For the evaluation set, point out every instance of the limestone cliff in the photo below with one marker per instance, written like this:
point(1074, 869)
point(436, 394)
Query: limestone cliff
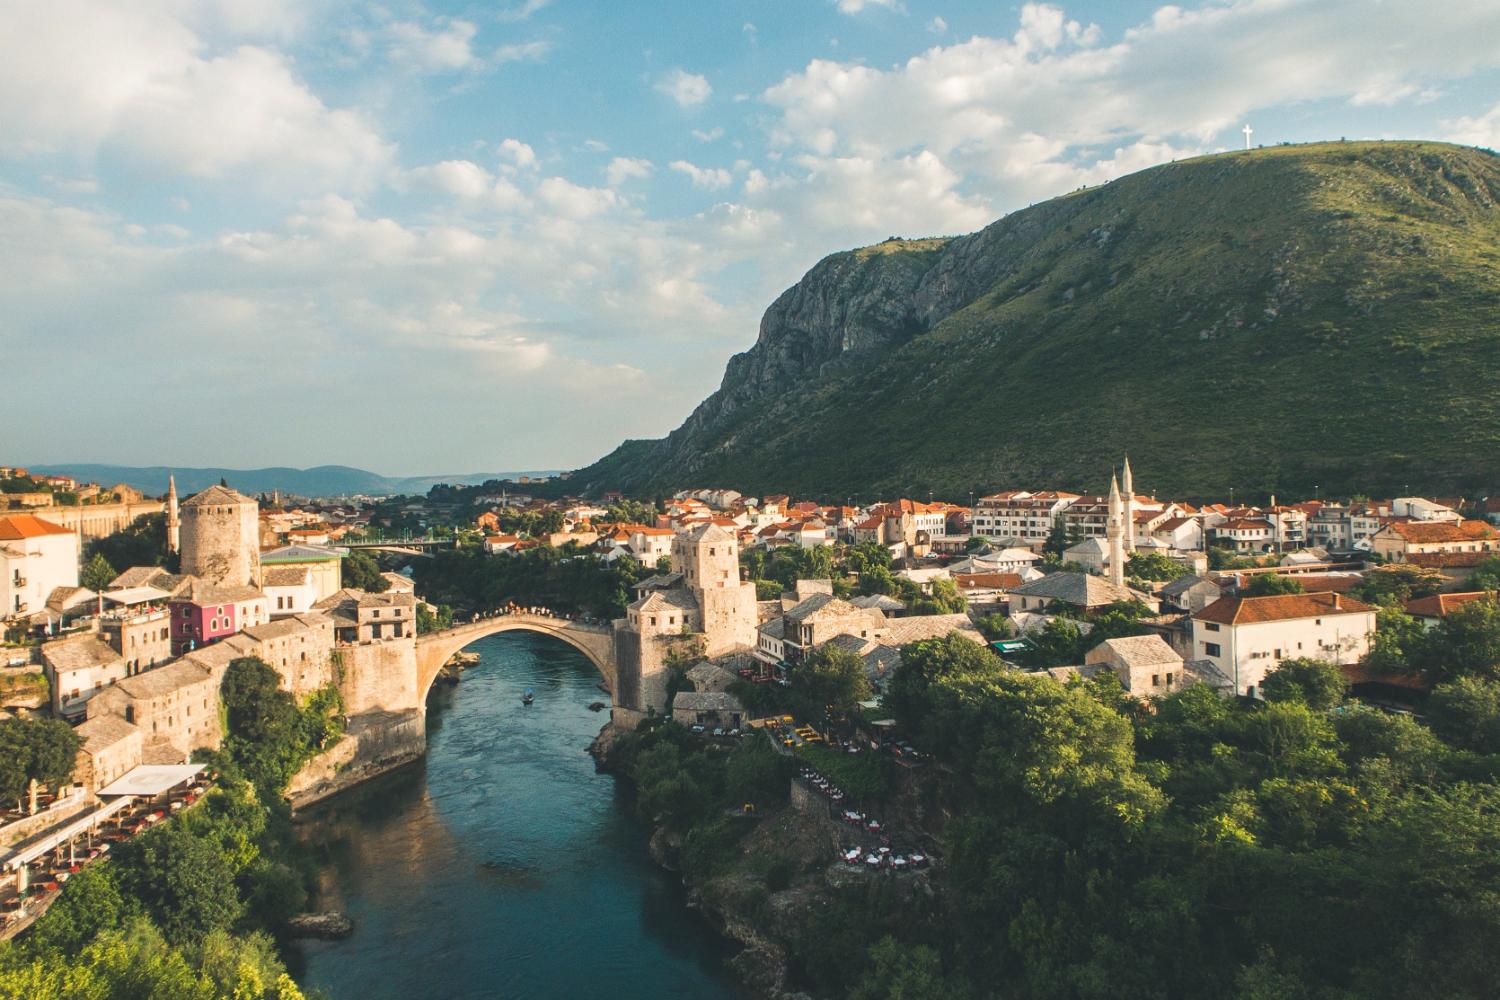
point(1184, 314)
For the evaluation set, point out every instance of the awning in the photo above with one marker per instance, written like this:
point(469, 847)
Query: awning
point(151, 779)
point(64, 834)
point(136, 595)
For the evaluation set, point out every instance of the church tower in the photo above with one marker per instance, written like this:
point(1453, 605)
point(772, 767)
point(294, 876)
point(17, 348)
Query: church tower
point(174, 521)
point(1127, 487)
point(1114, 530)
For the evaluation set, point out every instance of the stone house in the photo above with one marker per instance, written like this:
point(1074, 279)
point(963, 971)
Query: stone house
point(1245, 638)
point(710, 709)
point(176, 704)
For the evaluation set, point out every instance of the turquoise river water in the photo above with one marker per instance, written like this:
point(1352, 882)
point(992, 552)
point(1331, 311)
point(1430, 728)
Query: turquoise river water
point(504, 865)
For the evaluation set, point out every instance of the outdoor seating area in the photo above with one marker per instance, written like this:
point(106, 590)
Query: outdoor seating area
point(42, 867)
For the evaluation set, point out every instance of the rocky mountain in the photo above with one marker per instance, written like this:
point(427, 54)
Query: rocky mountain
point(320, 481)
point(1271, 321)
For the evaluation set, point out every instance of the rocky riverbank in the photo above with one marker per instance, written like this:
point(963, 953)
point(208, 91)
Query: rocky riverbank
point(781, 886)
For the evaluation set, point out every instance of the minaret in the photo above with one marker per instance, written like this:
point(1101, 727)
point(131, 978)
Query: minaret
point(1127, 486)
point(174, 525)
point(1114, 530)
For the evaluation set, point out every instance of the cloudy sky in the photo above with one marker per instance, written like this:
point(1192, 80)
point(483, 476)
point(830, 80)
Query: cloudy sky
point(442, 237)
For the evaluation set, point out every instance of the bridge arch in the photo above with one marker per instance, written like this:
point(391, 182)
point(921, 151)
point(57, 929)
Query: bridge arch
point(435, 649)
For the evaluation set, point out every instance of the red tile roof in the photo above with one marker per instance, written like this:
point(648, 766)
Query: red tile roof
point(18, 526)
point(1282, 607)
point(1442, 605)
point(1445, 531)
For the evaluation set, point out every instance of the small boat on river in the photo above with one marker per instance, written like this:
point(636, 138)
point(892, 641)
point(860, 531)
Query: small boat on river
point(527, 698)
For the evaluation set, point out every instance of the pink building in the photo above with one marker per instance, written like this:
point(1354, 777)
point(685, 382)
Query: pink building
point(204, 614)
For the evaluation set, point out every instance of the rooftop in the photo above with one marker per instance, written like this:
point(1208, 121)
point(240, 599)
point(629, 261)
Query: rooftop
point(1282, 607)
point(217, 496)
point(15, 527)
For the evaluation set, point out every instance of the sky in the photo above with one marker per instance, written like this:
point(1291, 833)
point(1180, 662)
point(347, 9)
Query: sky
point(426, 237)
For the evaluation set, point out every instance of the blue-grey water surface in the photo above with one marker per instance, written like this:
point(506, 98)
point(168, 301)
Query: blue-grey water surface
point(504, 865)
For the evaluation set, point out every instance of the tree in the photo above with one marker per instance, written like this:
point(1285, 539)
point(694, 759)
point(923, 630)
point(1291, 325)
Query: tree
point(1486, 575)
point(829, 678)
point(98, 573)
point(1398, 583)
point(35, 753)
point(1154, 566)
point(181, 880)
point(905, 972)
point(1272, 585)
point(1465, 644)
point(1466, 714)
point(362, 572)
point(1318, 684)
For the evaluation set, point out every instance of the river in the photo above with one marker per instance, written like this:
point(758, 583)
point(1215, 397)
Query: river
point(504, 865)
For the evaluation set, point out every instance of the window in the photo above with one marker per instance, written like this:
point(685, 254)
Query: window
point(1156, 680)
point(1212, 649)
point(1169, 680)
point(1210, 627)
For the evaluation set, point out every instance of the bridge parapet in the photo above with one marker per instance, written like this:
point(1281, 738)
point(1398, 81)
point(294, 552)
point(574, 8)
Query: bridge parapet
point(436, 648)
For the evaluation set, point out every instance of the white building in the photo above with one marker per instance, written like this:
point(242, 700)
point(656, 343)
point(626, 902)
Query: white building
point(290, 590)
point(1245, 638)
point(1019, 514)
point(35, 557)
point(77, 668)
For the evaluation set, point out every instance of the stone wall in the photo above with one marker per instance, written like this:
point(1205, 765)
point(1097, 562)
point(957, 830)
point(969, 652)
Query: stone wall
point(93, 521)
point(379, 676)
point(376, 742)
point(221, 543)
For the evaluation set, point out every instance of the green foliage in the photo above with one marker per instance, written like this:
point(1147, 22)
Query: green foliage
point(143, 543)
point(1397, 583)
point(1486, 575)
point(1465, 644)
point(1154, 566)
point(1466, 714)
point(181, 880)
point(560, 579)
point(906, 972)
point(362, 572)
point(269, 735)
point(1076, 284)
point(97, 574)
point(429, 621)
point(1318, 684)
point(866, 777)
point(35, 750)
point(1272, 585)
point(828, 683)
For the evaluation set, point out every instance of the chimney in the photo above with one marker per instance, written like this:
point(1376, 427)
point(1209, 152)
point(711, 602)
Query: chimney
point(1335, 602)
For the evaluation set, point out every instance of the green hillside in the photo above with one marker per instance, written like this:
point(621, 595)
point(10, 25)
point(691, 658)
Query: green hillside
point(1271, 321)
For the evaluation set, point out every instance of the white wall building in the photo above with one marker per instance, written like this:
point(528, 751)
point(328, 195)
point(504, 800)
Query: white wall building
point(35, 557)
point(1246, 638)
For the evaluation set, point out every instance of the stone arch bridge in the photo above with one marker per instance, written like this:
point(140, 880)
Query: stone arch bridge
point(594, 641)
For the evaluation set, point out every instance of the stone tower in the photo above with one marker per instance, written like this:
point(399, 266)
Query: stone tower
point(1127, 487)
point(1114, 530)
point(220, 537)
point(174, 522)
point(708, 558)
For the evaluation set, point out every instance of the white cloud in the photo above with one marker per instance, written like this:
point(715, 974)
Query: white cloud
point(1478, 130)
point(623, 168)
point(88, 77)
point(710, 179)
point(522, 52)
point(574, 201)
point(708, 135)
point(687, 89)
point(446, 48)
point(937, 26)
point(518, 153)
point(856, 6)
point(522, 10)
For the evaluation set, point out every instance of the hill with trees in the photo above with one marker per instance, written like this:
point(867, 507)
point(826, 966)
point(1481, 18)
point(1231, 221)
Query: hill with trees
point(1273, 320)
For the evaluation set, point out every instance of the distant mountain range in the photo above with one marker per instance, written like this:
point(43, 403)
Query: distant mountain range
point(322, 481)
point(1272, 321)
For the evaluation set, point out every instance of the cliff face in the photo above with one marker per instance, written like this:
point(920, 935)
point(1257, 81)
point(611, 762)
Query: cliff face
point(1274, 320)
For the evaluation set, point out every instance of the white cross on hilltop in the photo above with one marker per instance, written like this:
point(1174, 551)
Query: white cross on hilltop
point(1247, 130)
